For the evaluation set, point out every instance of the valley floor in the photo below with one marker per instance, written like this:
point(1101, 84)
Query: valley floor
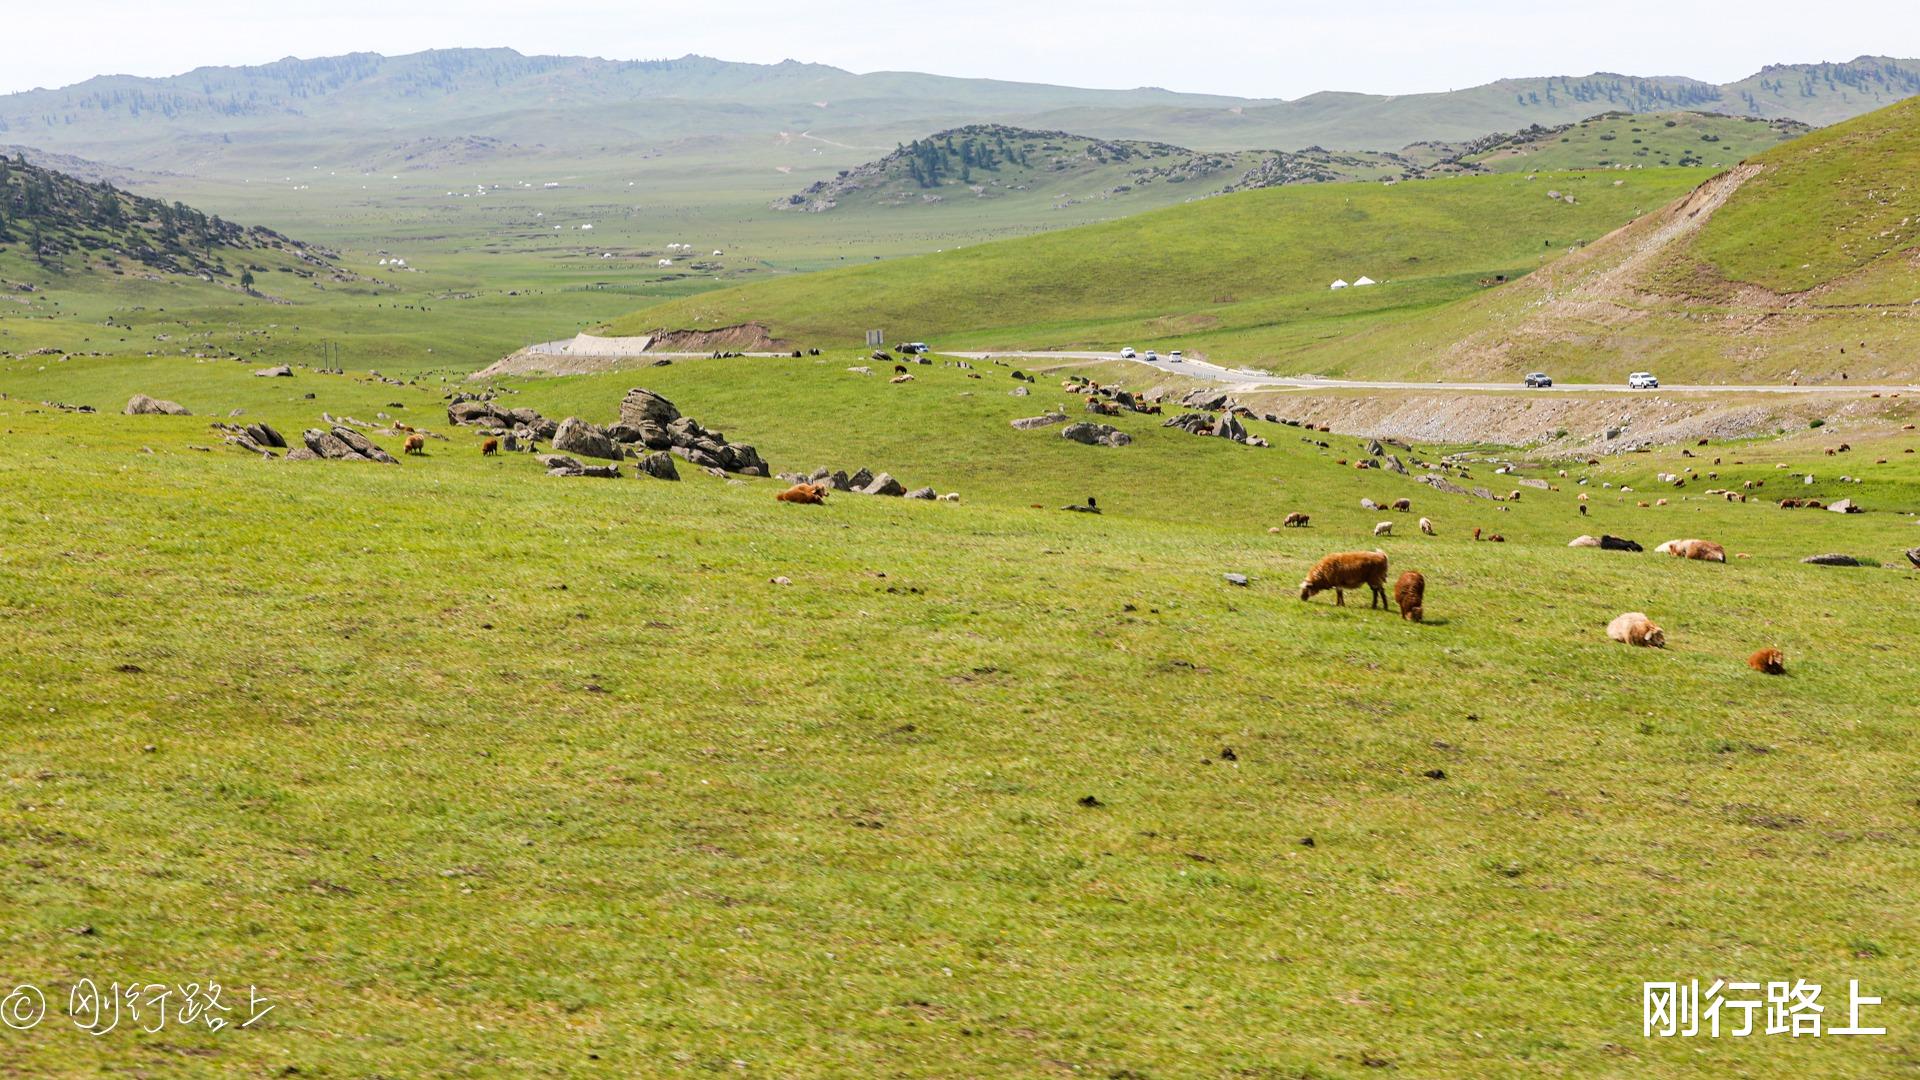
point(474, 771)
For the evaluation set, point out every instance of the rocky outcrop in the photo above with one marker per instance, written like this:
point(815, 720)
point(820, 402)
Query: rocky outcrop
point(341, 443)
point(650, 420)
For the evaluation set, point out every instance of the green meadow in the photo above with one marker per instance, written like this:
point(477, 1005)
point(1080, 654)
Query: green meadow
point(472, 771)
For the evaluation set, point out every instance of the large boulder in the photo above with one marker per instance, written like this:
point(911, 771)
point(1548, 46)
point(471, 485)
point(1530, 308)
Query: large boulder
point(1095, 434)
point(576, 436)
point(642, 407)
point(884, 484)
point(142, 405)
point(859, 480)
point(327, 445)
point(659, 465)
point(362, 446)
point(475, 412)
point(265, 436)
point(1230, 427)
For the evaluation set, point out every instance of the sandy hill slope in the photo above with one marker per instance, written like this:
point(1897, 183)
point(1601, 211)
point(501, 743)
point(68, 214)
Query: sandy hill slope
point(1802, 262)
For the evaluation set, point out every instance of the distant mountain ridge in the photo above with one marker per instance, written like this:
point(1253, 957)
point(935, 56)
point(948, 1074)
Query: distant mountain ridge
point(210, 115)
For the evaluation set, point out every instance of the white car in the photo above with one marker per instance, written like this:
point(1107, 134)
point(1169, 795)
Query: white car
point(1128, 353)
point(1642, 380)
point(1175, 357)
point(1152, 356)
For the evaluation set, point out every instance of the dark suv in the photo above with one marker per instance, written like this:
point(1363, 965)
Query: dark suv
point(1539, 379)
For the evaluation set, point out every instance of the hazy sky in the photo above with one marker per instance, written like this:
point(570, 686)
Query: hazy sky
point(1255, 48)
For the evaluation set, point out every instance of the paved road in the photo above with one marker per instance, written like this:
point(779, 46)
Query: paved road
point(1259, 380)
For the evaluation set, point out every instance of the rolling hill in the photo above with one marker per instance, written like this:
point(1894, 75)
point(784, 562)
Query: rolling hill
point(1219, 273)
point(994, 161)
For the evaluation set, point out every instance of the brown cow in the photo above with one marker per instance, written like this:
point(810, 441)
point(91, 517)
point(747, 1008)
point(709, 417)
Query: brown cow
point(490, 447)
point(1409, 594)
point(1768, 662)
point(807, 494)
point(1348, 570)
point(415, 444)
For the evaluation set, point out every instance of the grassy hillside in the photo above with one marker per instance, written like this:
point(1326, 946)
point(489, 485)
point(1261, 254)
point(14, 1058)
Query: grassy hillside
point(1798, 265)
point(1637, 140)
point(471, 771)
point(1227, 275)
point(65, 226)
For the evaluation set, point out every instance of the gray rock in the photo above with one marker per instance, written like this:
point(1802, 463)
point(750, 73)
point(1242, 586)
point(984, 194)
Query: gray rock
point(624, 433)
point(327, 445)
point(1087, 433)
point(1836, 560)
point(1230, 427)
point(576, 436)
point(142, 405)
point(265, 435)
point(1029, 423)
point(1844, 506)
point(1393, 463)
point(859, 480)
point(1913, 556)
point(884, 484)
point(1236, 579)
point(922, 493)
point(281, 372)
point(659, 465)
point(643, 407)
point(1018, 391)
point(609, 472)
point(301, 453)
point(475, 412)
point(362, 446)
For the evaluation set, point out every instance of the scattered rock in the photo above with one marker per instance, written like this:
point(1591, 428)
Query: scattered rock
point(281, 372)
point(1031, 422)
point(1844, 506)
point(1236, 579)
point(1834, 559)
point(142, 405)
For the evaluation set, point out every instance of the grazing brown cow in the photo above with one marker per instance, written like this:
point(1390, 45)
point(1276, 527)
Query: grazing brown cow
point(1768, 662)
point(1297, 520)
point(490, 447)
point(415, 444)
point(808, 494)
point(1348, 570)
point(1409, 593)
